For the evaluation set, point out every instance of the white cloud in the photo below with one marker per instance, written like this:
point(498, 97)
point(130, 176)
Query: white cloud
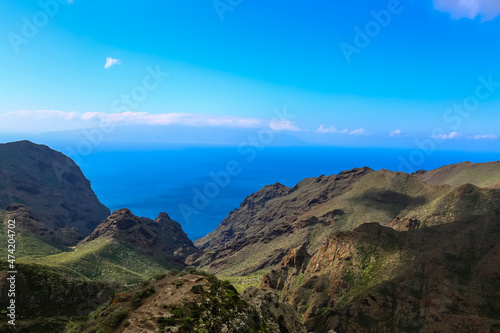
point(359, 131)
point(110, 62)
point(395, 132)
point(189, 119)
point(57, 120)
point(484, 136)
point(322, 129)
point(43, 114)
point(332, 129)
point(487, 9)
point(284, 125)
point(452, 135)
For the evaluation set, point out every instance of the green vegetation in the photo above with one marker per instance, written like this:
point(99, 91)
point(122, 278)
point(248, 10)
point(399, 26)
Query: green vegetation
point(28, 245)
point(241, 283)
point(105, 260)
point(374, 268)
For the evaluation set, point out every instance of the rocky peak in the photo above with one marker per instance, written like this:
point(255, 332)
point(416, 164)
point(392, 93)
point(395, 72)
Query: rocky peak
point(162, 237)
point(163, 217)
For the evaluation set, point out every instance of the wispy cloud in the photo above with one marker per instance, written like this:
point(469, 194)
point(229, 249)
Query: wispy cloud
point(484, 136)
point(452, 135)
point(332, 129)
point(43, 114)
point(284, 125)
point(323, 129)
point(395, 132)
point(487, 9)
point(111, 62)
point(359, 131)
point(89, 119)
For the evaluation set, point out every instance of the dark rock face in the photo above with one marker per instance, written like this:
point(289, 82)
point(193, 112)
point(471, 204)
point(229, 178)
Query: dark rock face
point(276, 212)
point(50, 185)
point(162, 238)
point(375, 279)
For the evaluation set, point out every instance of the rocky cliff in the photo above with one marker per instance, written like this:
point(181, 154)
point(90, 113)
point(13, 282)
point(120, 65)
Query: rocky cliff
point(162, 238)
point(444, 278)
point(51, 187)
point(276, 219)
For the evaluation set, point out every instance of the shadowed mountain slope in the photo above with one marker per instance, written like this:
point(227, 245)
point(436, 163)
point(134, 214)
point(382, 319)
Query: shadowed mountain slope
point(51, 186)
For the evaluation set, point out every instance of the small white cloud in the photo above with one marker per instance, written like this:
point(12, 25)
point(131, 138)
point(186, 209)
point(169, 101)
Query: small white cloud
point(484, 136)
point(359, 131)
point(395, 132)
point(322, 129)
point(344, 131)
point(487, 9)
point(284, 125)
point(452, 135)
point(111, 62)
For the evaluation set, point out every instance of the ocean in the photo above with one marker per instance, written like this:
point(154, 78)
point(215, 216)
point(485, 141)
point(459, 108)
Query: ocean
point(198, 187)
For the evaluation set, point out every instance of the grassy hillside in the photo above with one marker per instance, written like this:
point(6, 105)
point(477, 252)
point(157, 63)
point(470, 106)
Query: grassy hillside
point(105, 260)
point(479, 174)
point(28, 245)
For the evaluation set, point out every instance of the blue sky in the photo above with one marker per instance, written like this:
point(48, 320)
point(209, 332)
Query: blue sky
point(231, 64)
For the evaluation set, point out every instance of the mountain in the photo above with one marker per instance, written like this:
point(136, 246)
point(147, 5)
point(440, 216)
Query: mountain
point(52, 188)
point(444, 278)
point(124, 248)
point(372, 251)
point(277, 218)
point(194, 302)
point(162, 238)
point(479, 174)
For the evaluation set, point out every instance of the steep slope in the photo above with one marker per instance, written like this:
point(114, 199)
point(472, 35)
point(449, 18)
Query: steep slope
point(194, 302)
point(51, 186)
point(444, 278)
point(479, 174)
point(46, 300)
point(275, 219)
point(125, 248)
point(162, 238)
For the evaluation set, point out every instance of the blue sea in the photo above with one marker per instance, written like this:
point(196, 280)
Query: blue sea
point(198, 187)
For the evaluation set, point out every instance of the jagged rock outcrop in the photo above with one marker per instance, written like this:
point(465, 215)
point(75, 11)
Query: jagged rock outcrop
point(162, 238)
point(51, 186)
